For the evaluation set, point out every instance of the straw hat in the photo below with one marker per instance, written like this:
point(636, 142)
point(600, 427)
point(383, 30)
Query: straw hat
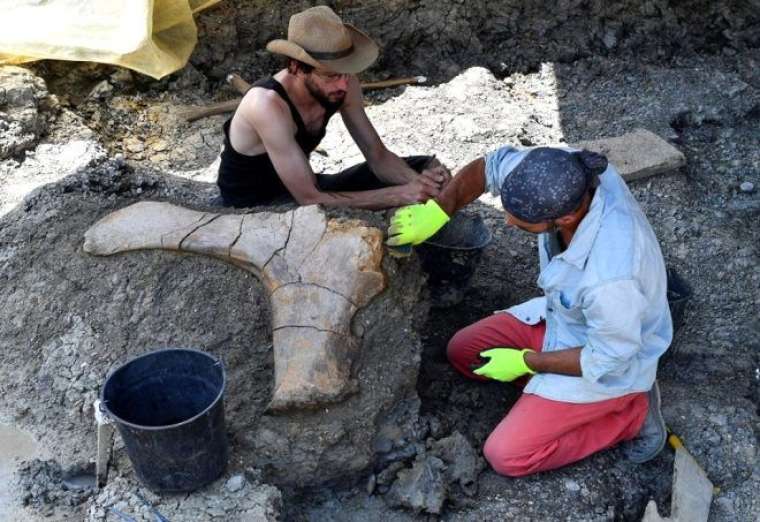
point(318, 37)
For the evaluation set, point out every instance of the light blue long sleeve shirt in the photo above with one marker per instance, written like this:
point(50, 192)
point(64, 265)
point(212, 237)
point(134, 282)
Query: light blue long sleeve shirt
point(606, 293)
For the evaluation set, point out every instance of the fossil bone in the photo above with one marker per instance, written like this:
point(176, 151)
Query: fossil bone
point(318, 274)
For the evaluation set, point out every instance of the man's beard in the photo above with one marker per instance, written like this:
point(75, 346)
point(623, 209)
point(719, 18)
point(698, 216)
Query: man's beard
point(322, 98)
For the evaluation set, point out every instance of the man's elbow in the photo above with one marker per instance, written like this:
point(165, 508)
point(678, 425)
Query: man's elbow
point(599, 365)
point(377, 155)
point(310, 198)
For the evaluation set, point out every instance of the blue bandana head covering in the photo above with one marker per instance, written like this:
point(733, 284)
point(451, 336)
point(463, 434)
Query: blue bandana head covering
point(550, 183)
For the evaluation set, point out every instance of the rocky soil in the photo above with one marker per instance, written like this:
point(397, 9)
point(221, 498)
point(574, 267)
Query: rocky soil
point(440, 38)
point(702, 95)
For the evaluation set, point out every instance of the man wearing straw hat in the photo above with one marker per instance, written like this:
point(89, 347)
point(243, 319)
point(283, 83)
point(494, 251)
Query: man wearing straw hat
point(282, 119)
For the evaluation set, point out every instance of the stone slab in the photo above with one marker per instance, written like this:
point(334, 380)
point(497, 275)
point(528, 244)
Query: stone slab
point(638, 154)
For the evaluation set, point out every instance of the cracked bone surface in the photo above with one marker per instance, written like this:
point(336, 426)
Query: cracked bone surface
point(318, 274)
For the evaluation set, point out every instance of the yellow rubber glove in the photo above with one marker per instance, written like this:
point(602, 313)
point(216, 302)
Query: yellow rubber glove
point(413, 224)
point(505, 364)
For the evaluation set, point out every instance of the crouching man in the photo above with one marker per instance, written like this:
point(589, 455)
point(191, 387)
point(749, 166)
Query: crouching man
point(587, 351)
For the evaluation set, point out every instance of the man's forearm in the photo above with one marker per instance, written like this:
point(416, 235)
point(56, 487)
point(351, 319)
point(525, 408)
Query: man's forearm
point(392, 169)
point(565, 362)
point(468, 184)
point(369, 199)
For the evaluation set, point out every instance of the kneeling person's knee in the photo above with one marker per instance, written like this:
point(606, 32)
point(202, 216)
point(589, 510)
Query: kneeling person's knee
point(457, 346)
point(504, 459)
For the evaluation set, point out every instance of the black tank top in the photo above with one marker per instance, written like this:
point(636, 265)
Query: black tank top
point(251, 180)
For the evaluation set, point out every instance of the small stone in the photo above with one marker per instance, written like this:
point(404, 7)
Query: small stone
point(462, 463)
point(101, 91)
point(371, 484)
point(235, 483)
point(159, 145)
point(151, 497)
point(572, 485)
point(747, 186)
point(609, 39)
point(726, 506)
point(216, 512)
point(134, 145)
point(121, 77)
point(714, 439)
point(436, 428)
point(388, 475)
point(719, 420)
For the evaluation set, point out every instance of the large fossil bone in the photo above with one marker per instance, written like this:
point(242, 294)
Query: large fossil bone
point(318, 274)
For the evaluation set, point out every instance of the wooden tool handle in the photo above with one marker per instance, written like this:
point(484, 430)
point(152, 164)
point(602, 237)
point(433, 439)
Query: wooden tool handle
point(394, 82)
point(242, 86)
point(238, 83)
point(217, 108)
point(674, 441)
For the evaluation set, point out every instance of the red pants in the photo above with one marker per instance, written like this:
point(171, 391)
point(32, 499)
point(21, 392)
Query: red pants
point(540, 434)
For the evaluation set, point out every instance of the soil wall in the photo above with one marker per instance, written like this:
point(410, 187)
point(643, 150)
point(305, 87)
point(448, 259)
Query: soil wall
point(438, 38)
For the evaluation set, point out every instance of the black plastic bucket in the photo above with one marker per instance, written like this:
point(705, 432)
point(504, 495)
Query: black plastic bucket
point(679, 294)
point(168, 407)
point(451, 256)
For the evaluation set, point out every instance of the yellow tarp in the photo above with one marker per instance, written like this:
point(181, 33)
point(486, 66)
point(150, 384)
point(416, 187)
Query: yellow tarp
point(154, 37)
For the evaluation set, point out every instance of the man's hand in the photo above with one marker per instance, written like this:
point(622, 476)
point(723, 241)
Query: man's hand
point(439, 174)
point(505, 364)
point(413, 224)
point(415, 191)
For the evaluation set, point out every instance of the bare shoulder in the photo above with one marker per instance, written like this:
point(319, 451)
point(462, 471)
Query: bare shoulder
point(261, 106)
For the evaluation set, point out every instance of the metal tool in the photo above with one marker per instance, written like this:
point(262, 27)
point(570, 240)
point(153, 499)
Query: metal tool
point(105, 445)
point(692, 490)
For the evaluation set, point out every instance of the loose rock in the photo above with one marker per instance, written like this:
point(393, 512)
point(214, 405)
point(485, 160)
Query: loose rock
point(22, 110)
point(420, 488)
point(235, 483)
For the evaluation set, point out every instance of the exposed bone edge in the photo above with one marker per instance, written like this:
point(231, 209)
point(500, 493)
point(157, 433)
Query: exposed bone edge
point(138, 227)
point(334, 386)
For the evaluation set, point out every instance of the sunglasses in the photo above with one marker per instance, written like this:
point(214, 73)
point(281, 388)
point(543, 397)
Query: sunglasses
point(331, 76)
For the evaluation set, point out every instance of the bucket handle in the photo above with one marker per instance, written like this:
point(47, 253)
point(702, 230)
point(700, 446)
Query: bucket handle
point(219, 360)
point(105, 442)
point(101, 414)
